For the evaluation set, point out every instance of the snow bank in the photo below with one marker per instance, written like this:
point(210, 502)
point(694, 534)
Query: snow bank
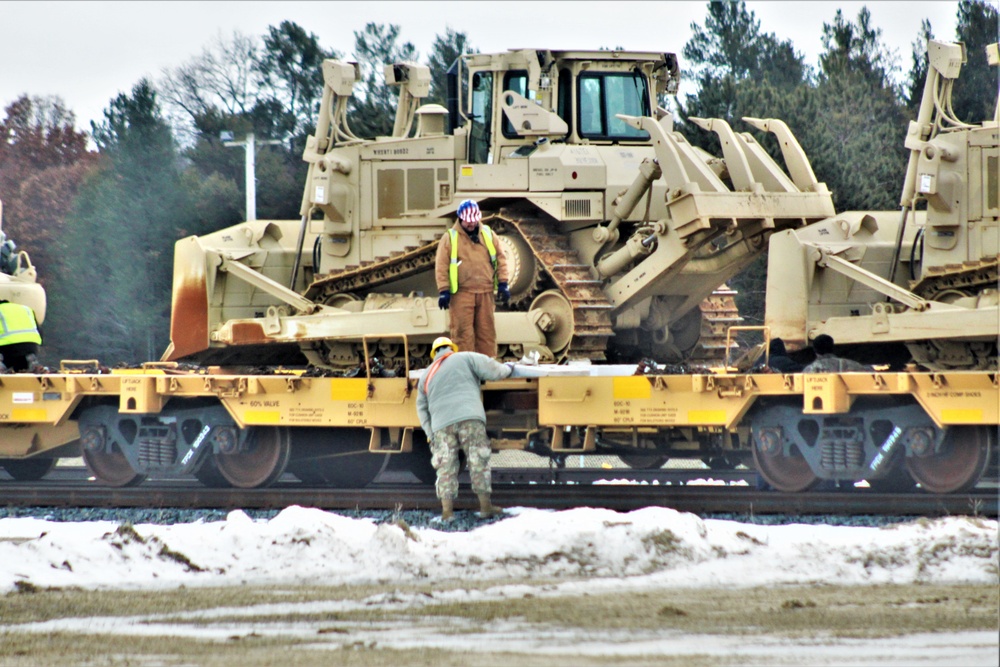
point(653, 546)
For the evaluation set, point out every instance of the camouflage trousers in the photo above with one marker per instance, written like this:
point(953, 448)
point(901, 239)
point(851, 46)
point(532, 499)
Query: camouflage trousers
point(471, 436)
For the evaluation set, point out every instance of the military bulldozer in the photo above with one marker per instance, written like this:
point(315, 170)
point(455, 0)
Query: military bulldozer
point(618, 231)
point(18, 277)
point(919, 284)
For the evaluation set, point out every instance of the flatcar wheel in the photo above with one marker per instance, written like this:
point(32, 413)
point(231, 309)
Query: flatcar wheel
point(958, 466)
point(335, 457)
point(790, 473)
point(111, 468)
point(260, 462)
point(208, 474)
point(27, 470)
point(643, 461)
point(417, 462)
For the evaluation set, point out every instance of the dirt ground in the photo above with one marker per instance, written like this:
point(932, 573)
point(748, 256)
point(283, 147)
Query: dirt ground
point(522, 623)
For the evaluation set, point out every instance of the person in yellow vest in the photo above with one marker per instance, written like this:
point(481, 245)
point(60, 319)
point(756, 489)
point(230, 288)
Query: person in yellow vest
point(19, 336)
point(470, 265)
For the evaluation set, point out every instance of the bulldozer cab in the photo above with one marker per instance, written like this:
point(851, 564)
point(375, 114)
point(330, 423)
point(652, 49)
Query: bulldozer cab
point(510, 103)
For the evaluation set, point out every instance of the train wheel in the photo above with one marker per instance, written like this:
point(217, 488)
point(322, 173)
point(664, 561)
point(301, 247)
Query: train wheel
point(417, 462)
point(899, 480)
point(209, 475)
point(338, 457)
point(27, 470)
point(111, 468)
point(643, 461)
point(958, 466)
point(785, 473)
point(260, 462)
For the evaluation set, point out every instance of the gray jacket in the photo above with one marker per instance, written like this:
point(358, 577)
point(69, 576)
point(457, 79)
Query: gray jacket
point(454, 393)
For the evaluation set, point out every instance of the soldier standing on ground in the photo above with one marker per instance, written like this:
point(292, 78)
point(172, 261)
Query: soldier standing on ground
point(828, 362)
point(450, 406)
point(470, 265)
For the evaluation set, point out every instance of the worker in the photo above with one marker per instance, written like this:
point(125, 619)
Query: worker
point(450, 407)
point(778, 359)
point(828, 362)
point(470, 265)
point(19, 336)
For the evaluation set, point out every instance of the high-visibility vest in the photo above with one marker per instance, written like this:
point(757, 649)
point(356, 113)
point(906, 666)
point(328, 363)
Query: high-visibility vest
point(17, 324)
point(453, 267)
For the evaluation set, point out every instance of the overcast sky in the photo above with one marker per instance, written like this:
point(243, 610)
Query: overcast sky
point(88, 52)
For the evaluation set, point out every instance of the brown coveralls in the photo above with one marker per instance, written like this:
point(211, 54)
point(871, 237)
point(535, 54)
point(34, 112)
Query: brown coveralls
point(471, 309)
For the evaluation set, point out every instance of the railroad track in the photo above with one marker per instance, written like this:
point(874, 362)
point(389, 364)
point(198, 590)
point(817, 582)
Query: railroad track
point(67, 489)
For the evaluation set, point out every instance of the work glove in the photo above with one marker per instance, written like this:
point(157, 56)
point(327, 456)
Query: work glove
point(530, 359)
point(444, 298)
point(504, 293)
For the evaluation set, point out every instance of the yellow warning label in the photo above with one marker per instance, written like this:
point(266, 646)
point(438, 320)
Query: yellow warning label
point(962, 416)
point(706, 416)
point(466, 170)
point(262, 417)
point(29, 415)
point(631, 387)
point(348, 389)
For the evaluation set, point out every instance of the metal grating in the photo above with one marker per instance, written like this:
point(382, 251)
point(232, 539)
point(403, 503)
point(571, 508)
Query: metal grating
point(578, 208)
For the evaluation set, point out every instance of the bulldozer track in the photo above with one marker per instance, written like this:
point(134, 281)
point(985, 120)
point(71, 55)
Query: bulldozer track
point(592, 326)
point(966, 276)
point(719, 312)
point(409, 261)
point(592, 322)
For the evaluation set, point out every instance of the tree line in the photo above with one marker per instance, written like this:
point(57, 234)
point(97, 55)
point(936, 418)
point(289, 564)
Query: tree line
point(100, 224)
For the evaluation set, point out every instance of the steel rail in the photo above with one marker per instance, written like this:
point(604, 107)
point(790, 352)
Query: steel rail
point(697, 499)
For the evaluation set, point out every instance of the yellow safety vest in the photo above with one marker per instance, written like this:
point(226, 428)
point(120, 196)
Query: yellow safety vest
point(453, 267)
point(17, 325)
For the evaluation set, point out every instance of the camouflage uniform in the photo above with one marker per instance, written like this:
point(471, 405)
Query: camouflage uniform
point(828, 363)
point(450, 407)
point(471, 436)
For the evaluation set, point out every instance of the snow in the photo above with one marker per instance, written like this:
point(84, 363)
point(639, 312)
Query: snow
point(572, 552)
point(652, 546)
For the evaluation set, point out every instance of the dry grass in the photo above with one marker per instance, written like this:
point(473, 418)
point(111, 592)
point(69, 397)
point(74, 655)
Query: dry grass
point(329, 638)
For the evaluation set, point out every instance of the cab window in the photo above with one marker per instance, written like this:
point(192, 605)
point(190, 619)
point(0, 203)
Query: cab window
point(517, 81)
point(481, 113)
point(565, 103)
point(602, 96)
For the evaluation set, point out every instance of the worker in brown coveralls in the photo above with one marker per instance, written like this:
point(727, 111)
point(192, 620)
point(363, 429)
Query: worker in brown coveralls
point(469, 267)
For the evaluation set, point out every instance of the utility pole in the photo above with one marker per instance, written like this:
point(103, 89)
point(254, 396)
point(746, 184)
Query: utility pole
point(251, 182)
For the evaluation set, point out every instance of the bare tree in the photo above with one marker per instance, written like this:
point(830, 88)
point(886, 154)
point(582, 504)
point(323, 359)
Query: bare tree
point(222, 80)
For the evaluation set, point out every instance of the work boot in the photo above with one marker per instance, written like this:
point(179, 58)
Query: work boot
point(486, 508)
point(447, 509)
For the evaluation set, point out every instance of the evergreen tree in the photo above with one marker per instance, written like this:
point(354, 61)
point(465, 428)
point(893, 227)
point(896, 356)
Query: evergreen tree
point(290, 66)
point(731, 43)
point(742, 71)
point(444, 52)
point(858, 121)
point(119, 243)
point(374, 103)
point(734, 63)
point(974, 97)
point(918, 68)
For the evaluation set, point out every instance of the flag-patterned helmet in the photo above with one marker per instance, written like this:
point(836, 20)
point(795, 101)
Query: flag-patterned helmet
point(468, 211)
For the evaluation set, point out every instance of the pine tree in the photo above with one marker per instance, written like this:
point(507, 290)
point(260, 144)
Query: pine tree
point(115, 301)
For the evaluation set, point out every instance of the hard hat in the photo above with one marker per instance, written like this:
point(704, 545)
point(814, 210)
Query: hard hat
point(468, 211)
point(442, 341)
